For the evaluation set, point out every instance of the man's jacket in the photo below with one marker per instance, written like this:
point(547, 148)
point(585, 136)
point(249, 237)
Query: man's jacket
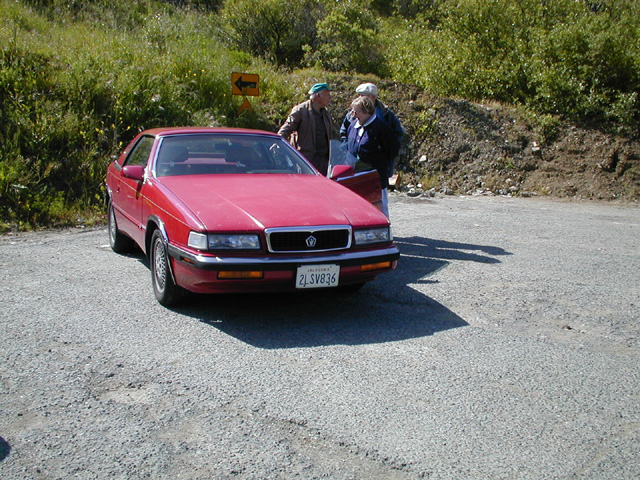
point(300, 128)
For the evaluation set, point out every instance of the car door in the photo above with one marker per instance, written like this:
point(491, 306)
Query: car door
point(365, 183)
point(127, 196)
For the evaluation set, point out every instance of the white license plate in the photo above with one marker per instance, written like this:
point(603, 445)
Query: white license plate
point(317, 276)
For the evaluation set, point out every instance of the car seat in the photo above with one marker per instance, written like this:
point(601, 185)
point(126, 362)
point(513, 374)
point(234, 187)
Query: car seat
point(169, 158)
point(247, 156)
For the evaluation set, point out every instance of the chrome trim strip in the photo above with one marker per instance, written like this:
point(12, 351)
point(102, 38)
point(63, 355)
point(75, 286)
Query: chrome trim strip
point(311, 228)
point(274, 263)
point(161, 227)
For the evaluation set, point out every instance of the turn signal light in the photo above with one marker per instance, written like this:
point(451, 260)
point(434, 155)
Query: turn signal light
point(375, 266)
point(224, 275)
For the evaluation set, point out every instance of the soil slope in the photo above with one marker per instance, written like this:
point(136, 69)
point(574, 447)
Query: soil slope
point(459, 147)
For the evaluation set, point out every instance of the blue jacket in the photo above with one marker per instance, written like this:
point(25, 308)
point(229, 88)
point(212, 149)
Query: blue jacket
point(377, 146)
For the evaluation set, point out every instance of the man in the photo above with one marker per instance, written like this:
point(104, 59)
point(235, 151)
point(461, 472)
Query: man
point(308, 127)
point(370, 91)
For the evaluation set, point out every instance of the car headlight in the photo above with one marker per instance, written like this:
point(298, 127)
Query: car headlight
point(224, 241)
point(372, 235)
point(218, 241)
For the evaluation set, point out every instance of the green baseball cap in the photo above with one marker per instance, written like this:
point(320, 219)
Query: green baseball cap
point(318, 87)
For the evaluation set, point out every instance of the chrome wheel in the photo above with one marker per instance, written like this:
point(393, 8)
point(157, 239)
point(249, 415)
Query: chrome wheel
point(165, 289)
point(159, 265)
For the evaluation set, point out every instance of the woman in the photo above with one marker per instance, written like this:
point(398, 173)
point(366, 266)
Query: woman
point(372, 142)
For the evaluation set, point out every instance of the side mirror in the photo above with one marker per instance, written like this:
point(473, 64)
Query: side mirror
point(341, 171)
point(134, 172)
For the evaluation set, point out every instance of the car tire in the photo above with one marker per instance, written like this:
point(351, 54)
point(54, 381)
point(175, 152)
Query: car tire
point(166, 291)
point(119, 242)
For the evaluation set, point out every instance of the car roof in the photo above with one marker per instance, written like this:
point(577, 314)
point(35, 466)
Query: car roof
point(168, 131)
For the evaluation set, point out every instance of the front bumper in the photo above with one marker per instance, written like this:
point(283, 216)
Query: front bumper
point(199, 273)
point(349, 259)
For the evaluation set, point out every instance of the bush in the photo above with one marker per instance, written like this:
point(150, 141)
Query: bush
point(273, 29)
point(347, 40)
point(43, 144)
point(590, 69)
point(578, 59)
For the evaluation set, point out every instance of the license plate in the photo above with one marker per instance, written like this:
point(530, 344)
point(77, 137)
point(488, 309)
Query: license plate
point(317, 276)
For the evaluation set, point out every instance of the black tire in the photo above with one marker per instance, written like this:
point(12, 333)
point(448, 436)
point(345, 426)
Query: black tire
point(166, 291)
point(119, 242)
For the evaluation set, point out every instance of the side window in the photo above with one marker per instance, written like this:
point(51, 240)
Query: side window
point(140, 153)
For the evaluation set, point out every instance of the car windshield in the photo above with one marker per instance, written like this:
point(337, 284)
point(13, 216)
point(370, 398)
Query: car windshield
point(213, 153)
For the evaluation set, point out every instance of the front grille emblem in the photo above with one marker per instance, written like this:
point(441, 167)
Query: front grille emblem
point(311, 241)
point(323, 238)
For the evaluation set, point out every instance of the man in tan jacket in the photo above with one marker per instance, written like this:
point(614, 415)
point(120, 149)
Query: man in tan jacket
point(308, 127)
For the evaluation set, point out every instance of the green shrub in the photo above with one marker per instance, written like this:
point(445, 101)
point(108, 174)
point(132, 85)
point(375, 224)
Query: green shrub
point(46, 148)
point(577, 59)
point(273, 29)
point(347, 41)
point(590, 68)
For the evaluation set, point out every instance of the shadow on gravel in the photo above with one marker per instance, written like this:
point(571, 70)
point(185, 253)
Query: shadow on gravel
point(440, 249)
point(386, 310)
point(5, 449)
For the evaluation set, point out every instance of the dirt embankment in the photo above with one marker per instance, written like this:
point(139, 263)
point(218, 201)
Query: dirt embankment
point(460, 147)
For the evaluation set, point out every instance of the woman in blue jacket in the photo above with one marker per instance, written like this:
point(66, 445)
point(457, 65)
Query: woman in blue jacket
point(383, 112)
point(372, 142)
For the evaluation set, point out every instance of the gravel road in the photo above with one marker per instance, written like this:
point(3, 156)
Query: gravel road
point(505, 346)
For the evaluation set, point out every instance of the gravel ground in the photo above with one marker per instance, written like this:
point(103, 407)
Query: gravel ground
point(505, 345)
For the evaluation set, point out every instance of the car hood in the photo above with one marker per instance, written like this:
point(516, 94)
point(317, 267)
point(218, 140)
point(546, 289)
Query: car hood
point(256, 201)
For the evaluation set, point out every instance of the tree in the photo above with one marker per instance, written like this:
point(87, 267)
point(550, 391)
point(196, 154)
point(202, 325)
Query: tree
point(347, 40)
point(273, 29)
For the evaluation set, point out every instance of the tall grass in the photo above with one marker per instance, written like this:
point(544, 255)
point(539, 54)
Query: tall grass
point(73, 93)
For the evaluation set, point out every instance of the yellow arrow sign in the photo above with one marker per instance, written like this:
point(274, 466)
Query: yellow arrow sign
point(245, 84)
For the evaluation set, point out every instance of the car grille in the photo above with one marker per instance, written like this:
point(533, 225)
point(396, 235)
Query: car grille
point(308, 239)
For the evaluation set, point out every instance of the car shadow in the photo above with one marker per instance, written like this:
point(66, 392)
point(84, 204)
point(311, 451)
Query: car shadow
point(391, 308)
point(5, 449)
point(440, 249)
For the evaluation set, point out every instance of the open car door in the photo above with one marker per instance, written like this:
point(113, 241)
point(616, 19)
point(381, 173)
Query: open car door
point(364, 183)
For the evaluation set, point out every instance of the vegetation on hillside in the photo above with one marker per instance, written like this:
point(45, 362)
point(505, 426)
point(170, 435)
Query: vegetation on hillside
point(78, 79)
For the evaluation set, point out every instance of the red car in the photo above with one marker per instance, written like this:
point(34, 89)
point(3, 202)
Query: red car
point(233, 210)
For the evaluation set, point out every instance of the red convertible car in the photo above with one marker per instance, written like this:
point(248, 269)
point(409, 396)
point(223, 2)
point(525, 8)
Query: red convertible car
point(232, 210)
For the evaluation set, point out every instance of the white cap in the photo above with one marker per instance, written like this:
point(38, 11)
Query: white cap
point(367, 89)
